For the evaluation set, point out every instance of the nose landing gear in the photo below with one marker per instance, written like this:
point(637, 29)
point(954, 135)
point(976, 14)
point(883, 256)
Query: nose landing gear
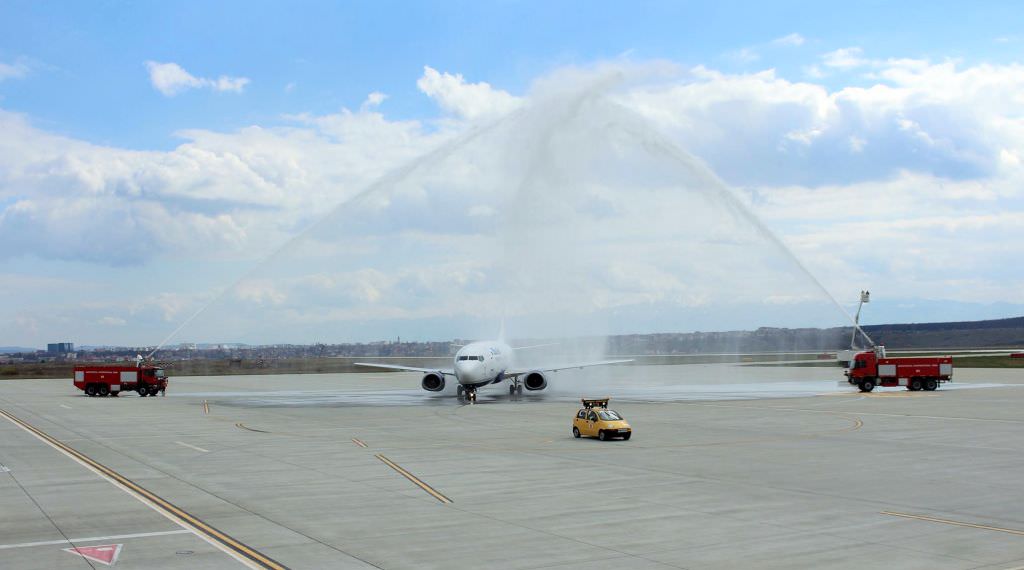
point(468, 393)
point(515, 389)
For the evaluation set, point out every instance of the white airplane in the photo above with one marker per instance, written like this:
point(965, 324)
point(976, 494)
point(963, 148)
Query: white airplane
point(487, 362)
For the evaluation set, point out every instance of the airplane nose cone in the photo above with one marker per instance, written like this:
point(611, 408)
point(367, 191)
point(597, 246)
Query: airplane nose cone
point(466, 368)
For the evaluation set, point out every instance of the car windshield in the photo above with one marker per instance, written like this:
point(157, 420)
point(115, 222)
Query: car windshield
point(609, 415)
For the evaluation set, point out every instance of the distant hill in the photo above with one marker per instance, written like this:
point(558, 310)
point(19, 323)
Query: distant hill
point(998, 333)
point(15, 349)
point(964, 334)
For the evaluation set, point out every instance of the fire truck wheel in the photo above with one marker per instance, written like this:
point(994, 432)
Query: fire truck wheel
point(153, 390)
point(143, 392)
point(930, 384)
point(103, 390)
point(915, 384)
point(867, 385)
point(90, 390)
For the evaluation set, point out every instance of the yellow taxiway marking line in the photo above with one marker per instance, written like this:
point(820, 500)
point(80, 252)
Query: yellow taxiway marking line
point(857, 424)
point(359, 442)
point(414, 479)
point(956, 523)
point(237, 550)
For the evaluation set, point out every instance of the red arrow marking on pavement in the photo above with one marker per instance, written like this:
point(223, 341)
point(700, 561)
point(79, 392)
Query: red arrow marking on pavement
point(104, 554)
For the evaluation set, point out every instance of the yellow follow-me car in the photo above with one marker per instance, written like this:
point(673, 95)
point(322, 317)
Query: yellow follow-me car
point(596, 420)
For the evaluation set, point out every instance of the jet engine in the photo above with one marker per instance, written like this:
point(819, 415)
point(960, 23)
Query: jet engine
point(535, 381)
point(433, 381)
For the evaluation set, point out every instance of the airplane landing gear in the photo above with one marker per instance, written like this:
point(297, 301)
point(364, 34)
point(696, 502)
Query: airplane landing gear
point(468, 393)
point(515, 389)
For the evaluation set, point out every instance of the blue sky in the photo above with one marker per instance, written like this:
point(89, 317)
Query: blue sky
point(89, 80)
point(218, 131)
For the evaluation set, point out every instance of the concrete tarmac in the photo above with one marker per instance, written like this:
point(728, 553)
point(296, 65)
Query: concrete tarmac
point(729, 467)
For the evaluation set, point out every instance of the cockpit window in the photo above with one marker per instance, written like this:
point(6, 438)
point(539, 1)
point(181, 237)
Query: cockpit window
point(465, 357)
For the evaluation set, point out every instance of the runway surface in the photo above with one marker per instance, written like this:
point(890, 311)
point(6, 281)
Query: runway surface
point(729, 466)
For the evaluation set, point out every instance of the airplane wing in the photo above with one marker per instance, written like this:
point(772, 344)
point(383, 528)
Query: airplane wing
point(564, 367)
point(405, 368)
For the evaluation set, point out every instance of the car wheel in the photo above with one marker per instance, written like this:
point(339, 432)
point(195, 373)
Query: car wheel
point(601, 435)
point(575, 432)
point(626, 437)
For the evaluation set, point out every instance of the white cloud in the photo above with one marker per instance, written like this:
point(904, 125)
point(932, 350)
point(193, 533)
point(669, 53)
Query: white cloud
point(745, 55)
point(373, 100)
point(917, 166)
point(844, 58)
point(793, 39)
point(857, 144)
point(466, 100)
point(16, 70)
point(171, 79)
point(112, 321)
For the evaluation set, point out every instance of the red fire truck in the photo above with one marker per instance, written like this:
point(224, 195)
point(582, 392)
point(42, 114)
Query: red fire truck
point(871, 368)
point(111, 380)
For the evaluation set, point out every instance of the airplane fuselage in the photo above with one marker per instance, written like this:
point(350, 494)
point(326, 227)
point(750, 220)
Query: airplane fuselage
point(481, 363)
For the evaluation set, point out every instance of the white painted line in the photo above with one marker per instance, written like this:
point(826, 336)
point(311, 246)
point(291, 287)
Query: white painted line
point(65, 406)
point(93, 539)
point(4, 469)
point(193, 447)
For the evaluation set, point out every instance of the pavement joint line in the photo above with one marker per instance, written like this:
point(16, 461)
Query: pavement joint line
point(416, 480)
point(75, 541)
point(955, 523)
point(229, 545)
point(197, 448)
point(359, 442)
